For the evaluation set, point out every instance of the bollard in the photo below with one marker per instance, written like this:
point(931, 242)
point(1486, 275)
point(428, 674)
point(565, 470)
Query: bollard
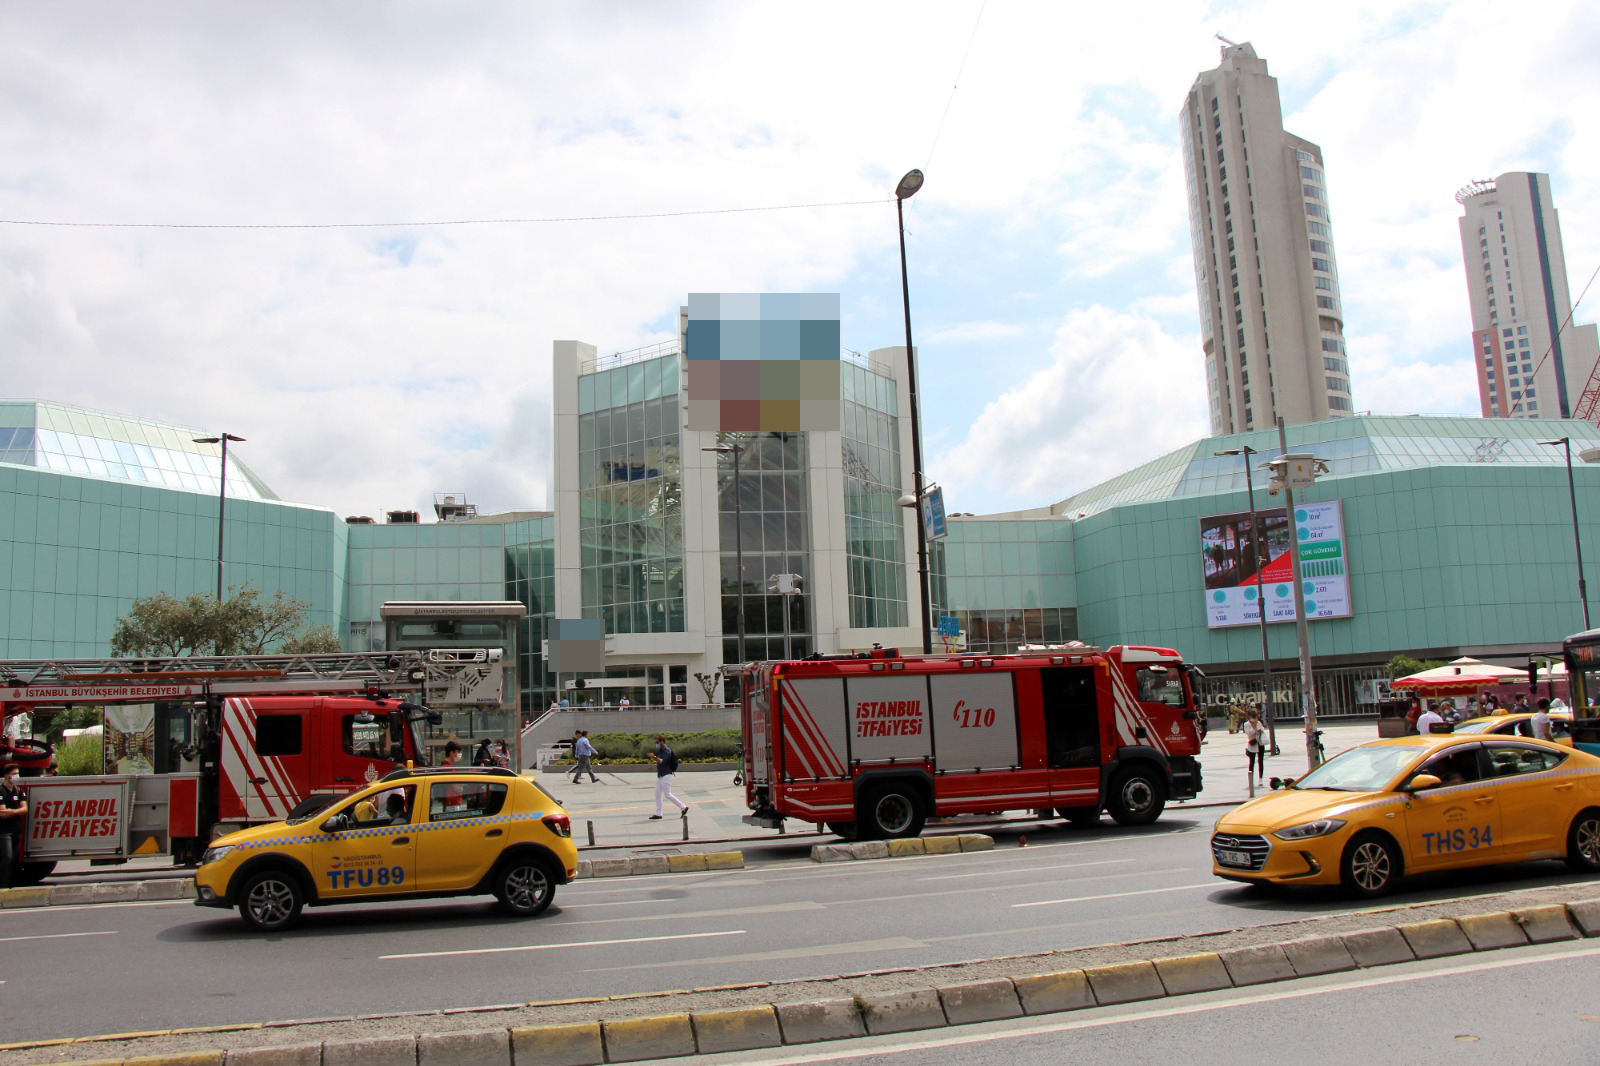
point(685, 821)
point(1022, 841)
point(591, 834)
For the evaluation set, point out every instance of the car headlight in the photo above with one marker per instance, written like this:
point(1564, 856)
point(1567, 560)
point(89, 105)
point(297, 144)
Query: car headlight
point(213, 854)
point(1319, 828)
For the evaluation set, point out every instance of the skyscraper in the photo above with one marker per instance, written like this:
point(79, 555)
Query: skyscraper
point(1270, 318)
point(1529, 366)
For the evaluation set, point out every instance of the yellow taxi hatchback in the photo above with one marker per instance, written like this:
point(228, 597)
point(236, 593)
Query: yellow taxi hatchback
point(414, 834)
point(1518, 724)
point(1379, 811)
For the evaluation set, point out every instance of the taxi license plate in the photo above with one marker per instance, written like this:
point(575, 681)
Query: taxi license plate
point(1229, 857)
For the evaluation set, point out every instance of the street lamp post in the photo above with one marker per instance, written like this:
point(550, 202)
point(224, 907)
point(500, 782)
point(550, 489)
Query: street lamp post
point(1577, 542)
point(1302, 632)
point(904, 191)
point(1261, 596)
point(738, 537)
point(222, 497)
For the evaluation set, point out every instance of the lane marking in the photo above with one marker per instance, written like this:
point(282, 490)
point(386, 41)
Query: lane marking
point(899, 943)
point(67, 907)
point(1114, 895)
point(722, 912)
point(991, 889)
point(950, 1037)
point(1030, 870)
point(55, 936)
point(557, 947)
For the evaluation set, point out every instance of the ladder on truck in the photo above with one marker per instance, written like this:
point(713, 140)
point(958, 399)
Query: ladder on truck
point(135, 680)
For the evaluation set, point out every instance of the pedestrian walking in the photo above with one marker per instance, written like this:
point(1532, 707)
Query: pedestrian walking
point(1428, 719)
point(1541, 721)
point(666, 766)
point(1412, 714)
point(583, 751)
point(1255, 745)
point(13, 810)
point(502, 755)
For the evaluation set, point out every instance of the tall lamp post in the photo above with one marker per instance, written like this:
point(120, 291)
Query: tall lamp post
point(1308, 692)
point(1577, 542)
point(738, 536)
point(222, 497)
point(1261, 596)
point(904, 191)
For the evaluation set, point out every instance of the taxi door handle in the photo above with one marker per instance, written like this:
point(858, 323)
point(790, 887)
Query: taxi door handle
point(401, 840)
point(1481, 800)
point(493, 833)
point(1562, 788)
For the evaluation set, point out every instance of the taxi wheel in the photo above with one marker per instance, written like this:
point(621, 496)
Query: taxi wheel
point(271, 901)
point(524, 887)
point(1371, 865)
point(1137, 797)
point(1583, 842)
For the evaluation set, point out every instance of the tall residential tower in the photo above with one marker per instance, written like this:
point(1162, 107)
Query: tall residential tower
point(1270, 317)
point(1532, 362)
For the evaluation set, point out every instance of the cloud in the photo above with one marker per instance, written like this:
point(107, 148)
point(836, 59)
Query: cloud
point(1118, 392)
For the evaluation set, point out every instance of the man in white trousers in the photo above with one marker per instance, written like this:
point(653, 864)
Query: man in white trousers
point(666, 767)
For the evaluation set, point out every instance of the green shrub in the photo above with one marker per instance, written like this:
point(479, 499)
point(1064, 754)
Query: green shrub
point(80, 756)
point(717, 745)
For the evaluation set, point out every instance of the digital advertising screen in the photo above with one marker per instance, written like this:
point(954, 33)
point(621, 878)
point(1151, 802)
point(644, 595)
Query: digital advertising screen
point(1233, 549)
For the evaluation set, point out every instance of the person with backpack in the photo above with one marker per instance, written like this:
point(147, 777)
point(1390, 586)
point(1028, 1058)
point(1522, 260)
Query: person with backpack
point(666, 766)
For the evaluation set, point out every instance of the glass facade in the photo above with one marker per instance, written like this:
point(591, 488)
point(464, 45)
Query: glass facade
point(631, 497)
point(73, 440)
point(772, 534)
point(874, 520)
point(1007, 581)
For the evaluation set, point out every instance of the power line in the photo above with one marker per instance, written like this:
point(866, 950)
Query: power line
point(956, 84)
point(433, 222)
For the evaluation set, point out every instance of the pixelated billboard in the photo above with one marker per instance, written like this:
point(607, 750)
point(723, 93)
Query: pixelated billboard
point(575, 645)
point(765, 361)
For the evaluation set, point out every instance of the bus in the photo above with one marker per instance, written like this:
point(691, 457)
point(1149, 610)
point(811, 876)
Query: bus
point(1581, 653)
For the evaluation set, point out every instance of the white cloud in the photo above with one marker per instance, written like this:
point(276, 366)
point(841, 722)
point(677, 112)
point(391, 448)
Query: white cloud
point(371, 368)
point(1117, 392)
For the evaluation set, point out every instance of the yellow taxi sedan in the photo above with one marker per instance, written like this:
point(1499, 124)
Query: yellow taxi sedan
point(1518, 724)
point(1372, 814)
point(413, 834)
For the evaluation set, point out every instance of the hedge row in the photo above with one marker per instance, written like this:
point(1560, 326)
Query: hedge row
point(717, 745)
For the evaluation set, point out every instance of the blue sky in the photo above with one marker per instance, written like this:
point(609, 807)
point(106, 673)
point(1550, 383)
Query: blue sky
point(1052, 293)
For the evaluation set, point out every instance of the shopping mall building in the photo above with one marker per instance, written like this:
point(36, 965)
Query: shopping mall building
point(1429, 536)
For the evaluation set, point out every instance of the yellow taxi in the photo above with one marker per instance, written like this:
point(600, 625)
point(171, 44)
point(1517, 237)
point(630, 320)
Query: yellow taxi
point(1381, 810)
point(1518, 724)
point(412, 834)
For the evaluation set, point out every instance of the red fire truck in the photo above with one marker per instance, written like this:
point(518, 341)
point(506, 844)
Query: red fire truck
point(233, 741)
point(873, 745)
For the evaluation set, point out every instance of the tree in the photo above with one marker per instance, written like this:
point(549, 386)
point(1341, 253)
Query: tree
point(1404, 666)
point(162, 625)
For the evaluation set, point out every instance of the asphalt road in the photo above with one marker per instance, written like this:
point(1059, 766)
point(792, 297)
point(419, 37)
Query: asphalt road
point(1534, 1004)
point(115, 967)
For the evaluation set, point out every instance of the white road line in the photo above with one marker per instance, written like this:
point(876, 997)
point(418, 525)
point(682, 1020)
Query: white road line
point(1114, 895)
point(900, 897)
point(55, 936)
point(66, 907)
point(1029, 870)
point(721, 912)
point(557, 947)
point(990, 1032)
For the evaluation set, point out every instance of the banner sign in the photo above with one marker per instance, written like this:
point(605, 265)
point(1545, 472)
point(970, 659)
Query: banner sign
point(1232, 549)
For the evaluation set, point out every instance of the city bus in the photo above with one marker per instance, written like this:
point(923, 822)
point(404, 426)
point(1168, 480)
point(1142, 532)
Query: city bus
point(1582, 656)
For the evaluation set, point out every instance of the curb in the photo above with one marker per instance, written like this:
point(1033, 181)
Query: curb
point(906, 846)
point(775, 1025)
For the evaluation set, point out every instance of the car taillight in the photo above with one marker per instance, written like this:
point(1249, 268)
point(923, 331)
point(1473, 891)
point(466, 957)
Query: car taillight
point(559, 824)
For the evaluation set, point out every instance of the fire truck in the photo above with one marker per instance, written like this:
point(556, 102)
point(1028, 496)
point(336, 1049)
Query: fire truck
point(872, 745)
point(236, 741)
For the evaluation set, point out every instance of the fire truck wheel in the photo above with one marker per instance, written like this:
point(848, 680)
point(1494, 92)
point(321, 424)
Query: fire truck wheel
point(524, 886)
point(1137, 797)
point(28, 874)
point(843, 830)
point(271, 901)
point(1080, 816)
point(891, 811)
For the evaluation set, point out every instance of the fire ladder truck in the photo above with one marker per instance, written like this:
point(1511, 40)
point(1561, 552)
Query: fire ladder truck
point(235, 740)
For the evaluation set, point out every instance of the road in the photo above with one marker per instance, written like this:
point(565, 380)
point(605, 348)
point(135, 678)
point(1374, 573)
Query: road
point(1534, 1004)
point(158, 965)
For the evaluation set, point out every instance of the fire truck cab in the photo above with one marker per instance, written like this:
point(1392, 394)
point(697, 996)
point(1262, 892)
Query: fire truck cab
point(873, 745)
